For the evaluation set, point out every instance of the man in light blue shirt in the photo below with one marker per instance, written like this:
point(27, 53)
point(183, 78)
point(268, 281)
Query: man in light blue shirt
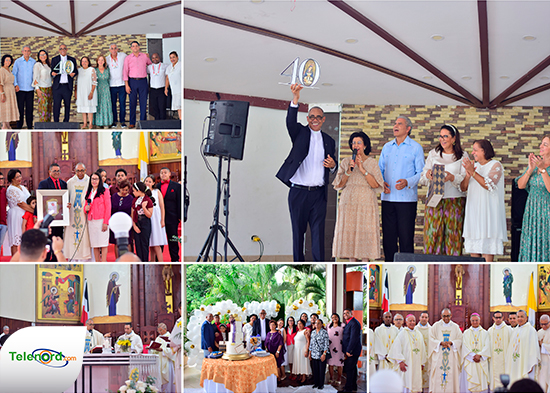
point(401, 163)
point(22, 71)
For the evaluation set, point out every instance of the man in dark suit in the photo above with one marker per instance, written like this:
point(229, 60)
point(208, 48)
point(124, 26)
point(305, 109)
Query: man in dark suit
point(306, 172)
point(261, 327)
point(53, 182)
point(62, 87)
point(351, 346)
point(207, 335)
point(171, 192)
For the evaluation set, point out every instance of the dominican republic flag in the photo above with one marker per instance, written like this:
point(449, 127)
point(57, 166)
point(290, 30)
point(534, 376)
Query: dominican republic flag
point(386, 293)
point(85, 303)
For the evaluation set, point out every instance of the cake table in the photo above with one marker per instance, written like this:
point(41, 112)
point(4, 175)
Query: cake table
point(257, 374)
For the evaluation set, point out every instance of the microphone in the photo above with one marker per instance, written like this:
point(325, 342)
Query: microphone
point(353, 157)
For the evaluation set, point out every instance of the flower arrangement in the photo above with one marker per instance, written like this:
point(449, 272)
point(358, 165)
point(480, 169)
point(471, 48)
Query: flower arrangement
point(124, 344)
point(134, 385)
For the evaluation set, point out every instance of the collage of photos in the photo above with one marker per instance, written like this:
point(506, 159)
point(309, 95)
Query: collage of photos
point(91, 207)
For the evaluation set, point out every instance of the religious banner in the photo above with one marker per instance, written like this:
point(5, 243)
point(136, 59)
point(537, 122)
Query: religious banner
point(544, 287)
point(165, 146)
point(374, 286)
point(58, 292)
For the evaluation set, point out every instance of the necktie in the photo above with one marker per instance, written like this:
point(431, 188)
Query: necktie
point(57, 185)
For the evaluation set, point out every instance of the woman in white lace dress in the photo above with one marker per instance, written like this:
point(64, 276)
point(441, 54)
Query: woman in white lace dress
point(85, 92)
point(16, 195)
point(158, 230)
point(485, 215)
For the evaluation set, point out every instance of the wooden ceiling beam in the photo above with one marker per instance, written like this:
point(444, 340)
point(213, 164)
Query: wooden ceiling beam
point(329, 51)
point(525, 94)
point(520, 82)
point(39, 15)
point(484, 51)
point(26, 22)
point(359, 17)
point(96, 20)
point(160, 7)
point(73, 18)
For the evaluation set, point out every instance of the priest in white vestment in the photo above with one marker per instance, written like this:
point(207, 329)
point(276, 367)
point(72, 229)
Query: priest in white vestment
point(523, 351)
point(499, 336)
point(166, 360)
point(135, 340)
point(372, 356)
point(93, 337)
point(423, 327)
point(444, 349)
point(175, 345)
point(384, 335)
point(398, 322)
point(408, 355)
point(476, 351)
point(76, 233)
point(544, 341)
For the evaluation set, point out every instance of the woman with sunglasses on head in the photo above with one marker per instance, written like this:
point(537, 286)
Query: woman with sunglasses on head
point(443, 223)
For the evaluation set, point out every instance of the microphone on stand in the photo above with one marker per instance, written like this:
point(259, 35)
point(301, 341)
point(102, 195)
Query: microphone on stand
point(354, 156)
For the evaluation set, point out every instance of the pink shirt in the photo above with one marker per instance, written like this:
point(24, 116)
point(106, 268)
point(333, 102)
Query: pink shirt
point(100, 207)
point(135, 66)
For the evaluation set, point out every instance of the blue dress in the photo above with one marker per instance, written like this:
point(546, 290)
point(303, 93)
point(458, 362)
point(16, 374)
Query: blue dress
point(104, 113)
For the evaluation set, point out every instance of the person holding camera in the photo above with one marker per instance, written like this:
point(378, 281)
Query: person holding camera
point(33, 247)
point(98, 209)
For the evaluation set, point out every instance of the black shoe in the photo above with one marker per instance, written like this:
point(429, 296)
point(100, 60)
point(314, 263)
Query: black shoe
point(314, 386)
point(321, 387)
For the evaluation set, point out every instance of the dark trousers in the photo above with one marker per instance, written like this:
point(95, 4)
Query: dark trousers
point(173, 244)
point(142, 239)
point(350, 368)
point(308, 207)
point(120, 93)
point(398, 219)
point(25, 102)
point(157, 103)
point(318, 368)
point(139, 88)
point(62, 93)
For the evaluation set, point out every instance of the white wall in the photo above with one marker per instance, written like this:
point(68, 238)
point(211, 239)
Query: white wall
point(520, 286)
point(258, 203)
point(169, 45)
point(98, 278)
point(397, 278)
point(130, 145)
point(18, 291)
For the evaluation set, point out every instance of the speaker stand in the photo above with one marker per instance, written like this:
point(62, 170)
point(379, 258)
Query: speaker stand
point(212, 239)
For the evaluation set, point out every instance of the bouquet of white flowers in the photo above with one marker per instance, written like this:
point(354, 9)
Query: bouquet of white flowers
point(133, 385)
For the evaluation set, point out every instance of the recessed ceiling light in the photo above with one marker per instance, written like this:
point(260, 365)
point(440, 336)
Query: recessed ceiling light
point(529, 38)
point(427, 77)
point(94, 5)
point(351, 41)
point(466, 77)
point(152, 24)
point(4, 8)
point(257, 1)
point(504, 77)
point(544, 77)
point(138, 5)
point(49, 5)
point(64, 23)
point(327, 84)
point(437, 37)
point(210, 59)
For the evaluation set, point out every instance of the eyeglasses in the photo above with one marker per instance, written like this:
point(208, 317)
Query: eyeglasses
point(318, 117)
point(498, 317)
point(445, 316)
point(80, 170)
point(444, 136)
point(544, 324)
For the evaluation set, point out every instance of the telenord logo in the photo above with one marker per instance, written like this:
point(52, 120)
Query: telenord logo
point(46, 357)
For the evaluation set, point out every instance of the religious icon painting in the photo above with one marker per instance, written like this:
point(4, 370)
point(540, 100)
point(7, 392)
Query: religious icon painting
point(508, 279)
point(543, 287)
point(375, 286)
point(59, 292)
point(164, 146)
point(309, 72)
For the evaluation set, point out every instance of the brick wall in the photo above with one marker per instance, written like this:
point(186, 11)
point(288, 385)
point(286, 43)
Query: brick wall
point(514, 132)
point(91, 46)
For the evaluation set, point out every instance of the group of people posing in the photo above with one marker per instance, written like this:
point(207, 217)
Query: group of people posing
point(469, 218)
point(442, 358)
point(155, 209)
point(96, 84)
point(306, 347)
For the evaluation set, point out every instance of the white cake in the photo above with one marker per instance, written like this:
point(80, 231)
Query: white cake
point(234, 346)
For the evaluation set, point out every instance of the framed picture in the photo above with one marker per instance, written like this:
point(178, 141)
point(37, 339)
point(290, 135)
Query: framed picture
point(375, 286)
point(53, 202)
point(543, 285)
point(164, 146)
point(59, 292)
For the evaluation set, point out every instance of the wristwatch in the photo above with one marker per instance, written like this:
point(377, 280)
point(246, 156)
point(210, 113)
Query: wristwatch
point(543, 171)
point(366, 173)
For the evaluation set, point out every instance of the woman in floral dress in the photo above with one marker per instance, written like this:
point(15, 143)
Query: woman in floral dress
point(104, 115)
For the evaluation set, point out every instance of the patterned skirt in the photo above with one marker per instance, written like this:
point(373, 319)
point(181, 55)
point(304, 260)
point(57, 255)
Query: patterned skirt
point(443, 227)
point(45, 105)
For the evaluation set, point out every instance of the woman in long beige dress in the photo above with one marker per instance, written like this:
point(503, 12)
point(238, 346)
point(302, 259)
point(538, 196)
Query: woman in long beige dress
point(357, 233)
point(8, 101)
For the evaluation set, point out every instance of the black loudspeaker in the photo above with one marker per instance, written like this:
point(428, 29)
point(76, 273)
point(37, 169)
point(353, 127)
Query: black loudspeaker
point(227, 129)
point(57, 126)
point(159, 125)
point(519, 199)
point(409, 257)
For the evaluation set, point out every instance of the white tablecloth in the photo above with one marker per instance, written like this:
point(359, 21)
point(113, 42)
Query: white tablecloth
point(268, 385)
